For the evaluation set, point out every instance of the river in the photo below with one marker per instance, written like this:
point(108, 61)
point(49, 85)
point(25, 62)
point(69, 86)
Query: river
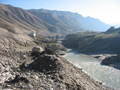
point(107, 75)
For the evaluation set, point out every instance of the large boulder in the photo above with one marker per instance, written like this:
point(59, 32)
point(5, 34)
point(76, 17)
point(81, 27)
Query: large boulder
point(45, 63)
point(37, 49)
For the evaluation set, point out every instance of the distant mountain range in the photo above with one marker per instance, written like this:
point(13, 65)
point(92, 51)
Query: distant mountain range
point(68, 21)
point(45, 22)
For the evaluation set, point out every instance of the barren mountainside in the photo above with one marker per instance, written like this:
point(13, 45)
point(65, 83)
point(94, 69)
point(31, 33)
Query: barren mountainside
point(67, 21)
point(45, 21)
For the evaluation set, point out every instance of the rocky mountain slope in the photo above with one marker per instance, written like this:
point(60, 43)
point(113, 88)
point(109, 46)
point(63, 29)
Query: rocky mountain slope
point(19, 20)
point(43, 71)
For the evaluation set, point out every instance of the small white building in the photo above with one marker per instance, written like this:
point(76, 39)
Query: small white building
point(33, 34)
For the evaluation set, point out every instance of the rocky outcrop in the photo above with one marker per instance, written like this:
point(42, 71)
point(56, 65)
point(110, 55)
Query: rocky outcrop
point(113, 61)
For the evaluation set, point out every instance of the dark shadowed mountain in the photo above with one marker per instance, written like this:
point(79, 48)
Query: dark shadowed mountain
point(89, 42)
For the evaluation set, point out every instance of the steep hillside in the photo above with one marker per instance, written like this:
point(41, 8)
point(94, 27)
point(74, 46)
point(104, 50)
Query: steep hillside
point(38, 70)
point(45, 22)
point(17, 24)
point(13, 18)
point(89, 42)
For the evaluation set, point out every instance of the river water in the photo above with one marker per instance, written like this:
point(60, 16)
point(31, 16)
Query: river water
point(107, 75)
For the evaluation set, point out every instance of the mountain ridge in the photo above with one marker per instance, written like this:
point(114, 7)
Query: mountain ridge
point(45, 21)
point(78, 21)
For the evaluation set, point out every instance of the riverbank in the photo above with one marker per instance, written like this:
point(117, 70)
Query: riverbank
point(102, 56)
point(107, 75)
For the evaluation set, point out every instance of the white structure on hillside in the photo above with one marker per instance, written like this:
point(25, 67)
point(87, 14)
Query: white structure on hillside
point(33, 34)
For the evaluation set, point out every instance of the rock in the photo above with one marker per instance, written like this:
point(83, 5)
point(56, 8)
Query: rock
point(24, 56)
point(60, 52)
point(4, 72)
point(113, 61)
point(37, 49)
point(17, 79)
point(7, 89)
point(49, 50)
point(23, 66)
point(45, 63)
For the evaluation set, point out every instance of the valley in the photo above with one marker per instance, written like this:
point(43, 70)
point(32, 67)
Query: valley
point(34, 44)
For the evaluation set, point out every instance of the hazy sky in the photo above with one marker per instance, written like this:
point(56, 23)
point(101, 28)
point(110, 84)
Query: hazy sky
point(105, 10)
